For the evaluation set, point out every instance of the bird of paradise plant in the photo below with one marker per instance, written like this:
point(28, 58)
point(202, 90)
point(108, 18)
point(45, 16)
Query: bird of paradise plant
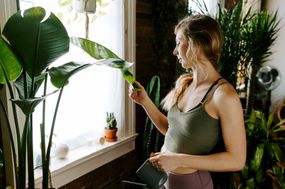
point(32, 40)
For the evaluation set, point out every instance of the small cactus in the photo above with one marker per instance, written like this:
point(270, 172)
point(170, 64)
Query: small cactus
point(111, 121)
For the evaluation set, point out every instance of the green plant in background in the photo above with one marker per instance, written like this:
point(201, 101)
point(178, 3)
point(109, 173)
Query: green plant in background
point(259, 34)
point(34, 39)
point(231, 22)
point(151, 136)
point(265, 153)
point(248, 37)
point(111, 121)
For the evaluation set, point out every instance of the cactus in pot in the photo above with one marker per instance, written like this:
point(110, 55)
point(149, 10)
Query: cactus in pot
point(111, 127)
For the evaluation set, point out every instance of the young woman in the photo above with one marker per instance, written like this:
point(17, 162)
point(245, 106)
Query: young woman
point(204, 112)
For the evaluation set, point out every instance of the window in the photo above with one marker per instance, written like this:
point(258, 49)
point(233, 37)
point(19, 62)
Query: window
point(94, 91)
point(212, 5)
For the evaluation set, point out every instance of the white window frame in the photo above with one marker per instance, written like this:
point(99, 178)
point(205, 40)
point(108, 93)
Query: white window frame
point(87, 158)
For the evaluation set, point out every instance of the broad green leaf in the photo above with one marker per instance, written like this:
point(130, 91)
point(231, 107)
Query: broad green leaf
point(28, 105)
point(276, 150)
point(94, 49)
point(60, 75)
point(250, 183)
point(154, 85)
point(105, 57)
point(38, 37)
point(8, 63)
point(20, 85)
point(270, 120)
point(245, 170)
point(114, 63)
point(259, 176)
point(255, 163)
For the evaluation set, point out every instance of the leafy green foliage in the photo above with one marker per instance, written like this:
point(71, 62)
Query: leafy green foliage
point(265, 152)
point(151, 136)
point(98, 51)
point(231, 22)
point(35, 38)
point(10, 66)
point(44, 40)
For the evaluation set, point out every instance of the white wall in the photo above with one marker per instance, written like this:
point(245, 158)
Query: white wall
point(278, 57)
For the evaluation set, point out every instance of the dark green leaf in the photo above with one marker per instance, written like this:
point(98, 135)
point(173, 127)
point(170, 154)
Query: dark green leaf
point(60, 75)
point(255, 163)
point(8, 63)
point(105, 57)
point(20, 85)
point(28, 105)
point(276, 150)
point(38, 38)
point(250, 183)
point(94, 49)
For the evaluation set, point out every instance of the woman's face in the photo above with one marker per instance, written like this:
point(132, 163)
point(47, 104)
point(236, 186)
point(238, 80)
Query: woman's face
point(181, 49)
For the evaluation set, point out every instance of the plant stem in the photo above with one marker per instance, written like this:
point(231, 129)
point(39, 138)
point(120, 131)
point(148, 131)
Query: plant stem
point(46, 171)
point(42, 127)
point(30, 150)
point(22, 154)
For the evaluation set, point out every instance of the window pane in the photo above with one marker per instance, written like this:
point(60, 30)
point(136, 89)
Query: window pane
point(93, 91)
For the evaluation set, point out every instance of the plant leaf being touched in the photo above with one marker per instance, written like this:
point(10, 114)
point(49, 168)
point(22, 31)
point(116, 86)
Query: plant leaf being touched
point(106, 57)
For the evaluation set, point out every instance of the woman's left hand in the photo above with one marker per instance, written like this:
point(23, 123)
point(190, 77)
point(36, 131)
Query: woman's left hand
point(164, 161)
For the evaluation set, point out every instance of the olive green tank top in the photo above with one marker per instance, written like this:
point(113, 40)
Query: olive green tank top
point(193, 132)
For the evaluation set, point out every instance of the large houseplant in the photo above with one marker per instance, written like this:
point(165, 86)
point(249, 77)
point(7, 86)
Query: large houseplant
point(265, 167)
point(248, 37)
point(31, 41)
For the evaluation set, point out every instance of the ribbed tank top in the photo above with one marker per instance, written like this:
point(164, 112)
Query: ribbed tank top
point(193, 132)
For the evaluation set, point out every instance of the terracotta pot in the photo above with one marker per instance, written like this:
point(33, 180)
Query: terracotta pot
point(110, 135)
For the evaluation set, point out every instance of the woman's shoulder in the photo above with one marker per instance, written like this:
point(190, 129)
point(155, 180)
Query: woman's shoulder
point(225, 93)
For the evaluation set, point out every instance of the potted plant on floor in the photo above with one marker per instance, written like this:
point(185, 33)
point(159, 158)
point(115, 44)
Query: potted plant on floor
point(32, 40)
point(111, 127)
point(265, 164)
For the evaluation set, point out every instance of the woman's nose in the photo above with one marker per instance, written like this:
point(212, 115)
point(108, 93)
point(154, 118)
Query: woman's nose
point(175, 52)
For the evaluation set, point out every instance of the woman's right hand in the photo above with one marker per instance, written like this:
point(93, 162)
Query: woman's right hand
point(139, 97)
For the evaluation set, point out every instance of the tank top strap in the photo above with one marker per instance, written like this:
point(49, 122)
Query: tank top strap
point(209, 90)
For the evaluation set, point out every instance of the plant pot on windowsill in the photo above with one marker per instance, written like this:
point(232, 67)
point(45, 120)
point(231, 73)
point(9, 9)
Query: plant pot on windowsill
point(111, 128)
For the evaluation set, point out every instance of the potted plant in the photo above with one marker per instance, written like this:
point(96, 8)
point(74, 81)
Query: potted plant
point(111, 127)
point(248, 38)
point(31, 41)
point(265, 167)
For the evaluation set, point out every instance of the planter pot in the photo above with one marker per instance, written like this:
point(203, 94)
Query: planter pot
point(110, 135)
point(83, 6)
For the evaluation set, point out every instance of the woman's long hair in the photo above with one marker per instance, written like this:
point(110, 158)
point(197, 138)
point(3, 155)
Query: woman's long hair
point(204, 36)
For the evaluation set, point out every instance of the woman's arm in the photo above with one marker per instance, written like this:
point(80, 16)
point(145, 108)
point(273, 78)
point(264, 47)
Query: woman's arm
point(230, 113)
point(158, 118)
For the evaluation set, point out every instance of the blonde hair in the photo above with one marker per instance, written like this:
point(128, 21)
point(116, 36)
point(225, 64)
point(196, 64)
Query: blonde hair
point(204, 36)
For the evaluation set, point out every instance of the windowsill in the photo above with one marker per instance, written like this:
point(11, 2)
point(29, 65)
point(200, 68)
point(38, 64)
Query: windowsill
point(85, 159)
